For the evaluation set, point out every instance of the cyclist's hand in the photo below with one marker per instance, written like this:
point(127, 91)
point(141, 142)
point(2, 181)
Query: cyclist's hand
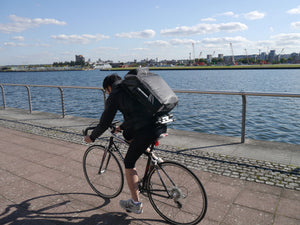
point(118, 129)
point(87, 139)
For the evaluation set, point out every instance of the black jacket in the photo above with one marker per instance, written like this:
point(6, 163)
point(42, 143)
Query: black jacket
point(135, 115)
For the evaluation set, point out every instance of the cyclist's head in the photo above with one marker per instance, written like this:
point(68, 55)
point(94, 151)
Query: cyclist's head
point(110, 79)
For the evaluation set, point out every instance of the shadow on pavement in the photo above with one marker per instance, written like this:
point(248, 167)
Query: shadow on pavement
point(63, 208)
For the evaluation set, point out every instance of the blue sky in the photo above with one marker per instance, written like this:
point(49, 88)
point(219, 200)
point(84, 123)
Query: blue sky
point(40, 31)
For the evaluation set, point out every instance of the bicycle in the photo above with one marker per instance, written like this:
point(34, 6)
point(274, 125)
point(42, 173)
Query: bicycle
point(174, 191)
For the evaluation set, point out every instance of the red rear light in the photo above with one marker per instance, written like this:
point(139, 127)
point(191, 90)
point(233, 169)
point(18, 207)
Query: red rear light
point(156, 143)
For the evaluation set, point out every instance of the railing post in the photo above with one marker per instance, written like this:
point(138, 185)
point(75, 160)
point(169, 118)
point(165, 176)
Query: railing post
point(3, 96)
point(29, 98)
point(62, 101)
point(104, 95)
point(243, 132)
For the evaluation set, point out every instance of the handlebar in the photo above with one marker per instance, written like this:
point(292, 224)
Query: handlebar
point(85, 131)
point(112, 127)
point(159, 120)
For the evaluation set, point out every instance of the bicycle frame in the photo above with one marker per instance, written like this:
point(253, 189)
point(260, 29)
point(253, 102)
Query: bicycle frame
point(161, 182)
point(112, 147)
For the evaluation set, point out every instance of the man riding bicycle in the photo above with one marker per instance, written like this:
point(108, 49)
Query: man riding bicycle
point(139, 129)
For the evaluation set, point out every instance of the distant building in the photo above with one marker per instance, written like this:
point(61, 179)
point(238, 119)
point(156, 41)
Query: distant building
point(209, 58)
point(272, 56)
point(263, 56)
point(295, 57)
point(220, 56)
point(79, 59)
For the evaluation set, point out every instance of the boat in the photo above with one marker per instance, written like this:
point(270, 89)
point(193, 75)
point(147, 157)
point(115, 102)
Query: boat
point(103, 66)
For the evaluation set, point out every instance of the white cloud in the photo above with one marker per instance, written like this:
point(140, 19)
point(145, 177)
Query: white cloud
point(79, 39)
point(158, 43)
point(139, 34)
point(140, 49)
point(205, 41)
point(254, 15)
point(183, 41)
point(18, 38)
point(264, 43)
point(290, 39)
point(224, 40)
point(204, 28)
point(20, 24)
point(13, 44)
point(209, 19)
point(18, 44)
point(226, 14)
point(294, 10)
point(295, 25)
point(232, 27)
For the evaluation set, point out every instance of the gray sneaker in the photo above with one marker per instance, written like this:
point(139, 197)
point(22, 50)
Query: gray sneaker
point(129, 206)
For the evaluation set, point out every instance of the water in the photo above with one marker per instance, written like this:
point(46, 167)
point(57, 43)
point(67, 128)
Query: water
point(268, 118)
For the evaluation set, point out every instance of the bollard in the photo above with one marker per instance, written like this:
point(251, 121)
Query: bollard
point(3, 96)
point(29, 99)
point(62, 101)
point(243, 132)
point(104, 94)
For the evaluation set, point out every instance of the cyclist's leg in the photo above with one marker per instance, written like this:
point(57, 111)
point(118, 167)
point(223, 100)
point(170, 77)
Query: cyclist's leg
point(141, 140)
point(136, 148)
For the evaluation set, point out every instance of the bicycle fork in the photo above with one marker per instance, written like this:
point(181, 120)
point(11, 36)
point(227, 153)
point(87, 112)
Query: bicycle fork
point(103, 163)
point(174, 192)
point(100, 171)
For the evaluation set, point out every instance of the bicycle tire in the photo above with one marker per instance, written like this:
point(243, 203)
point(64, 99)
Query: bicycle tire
point(188, 201)
point(110, 182)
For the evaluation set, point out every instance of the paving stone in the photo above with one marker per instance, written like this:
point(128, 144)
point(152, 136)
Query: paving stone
point(258, 200)
point(240, 215)
point(289, 208)
point(49, 176)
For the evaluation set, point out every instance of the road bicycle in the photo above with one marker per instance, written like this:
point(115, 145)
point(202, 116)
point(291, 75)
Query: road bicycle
point(174, 191)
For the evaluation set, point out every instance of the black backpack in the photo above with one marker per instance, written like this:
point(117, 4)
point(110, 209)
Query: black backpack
point(150, 90)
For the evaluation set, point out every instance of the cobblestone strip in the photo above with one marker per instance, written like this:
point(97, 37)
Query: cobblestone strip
point(270, 173)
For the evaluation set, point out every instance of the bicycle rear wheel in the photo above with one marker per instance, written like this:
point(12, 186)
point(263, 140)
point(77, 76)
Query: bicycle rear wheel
point(176, 194)
point(103, 171)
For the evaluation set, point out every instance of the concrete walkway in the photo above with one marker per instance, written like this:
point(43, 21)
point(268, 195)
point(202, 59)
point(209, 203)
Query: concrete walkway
point(42, 182)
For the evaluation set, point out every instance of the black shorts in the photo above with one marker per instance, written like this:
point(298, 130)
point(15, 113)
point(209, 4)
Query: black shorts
point(139, 142)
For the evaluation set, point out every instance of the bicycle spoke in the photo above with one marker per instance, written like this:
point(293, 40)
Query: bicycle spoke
point(184, 200)
point(103, 172)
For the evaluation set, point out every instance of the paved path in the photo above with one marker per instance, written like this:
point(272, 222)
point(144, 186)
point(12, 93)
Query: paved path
point(41, 181)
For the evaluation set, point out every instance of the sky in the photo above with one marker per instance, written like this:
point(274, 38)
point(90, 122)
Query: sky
point(47, 31)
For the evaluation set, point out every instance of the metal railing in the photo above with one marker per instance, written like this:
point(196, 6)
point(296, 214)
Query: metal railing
point(242, 94)
point(60, 88)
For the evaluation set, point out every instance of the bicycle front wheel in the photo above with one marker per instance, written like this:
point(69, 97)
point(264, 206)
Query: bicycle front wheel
point(103, 171)
point(176, 194)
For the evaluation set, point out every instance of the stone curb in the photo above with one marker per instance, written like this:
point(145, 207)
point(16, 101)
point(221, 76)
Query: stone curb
point(270, 173)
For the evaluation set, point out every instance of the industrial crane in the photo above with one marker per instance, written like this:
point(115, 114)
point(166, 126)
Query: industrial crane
point(193, 51)
point(247, 55)
point(280, 54)
point(200, 55)
point(233, 61)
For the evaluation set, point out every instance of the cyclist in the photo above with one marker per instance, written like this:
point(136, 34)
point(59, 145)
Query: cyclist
point(139, 128)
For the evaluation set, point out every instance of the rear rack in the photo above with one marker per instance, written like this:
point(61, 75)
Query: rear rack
point(165, 119)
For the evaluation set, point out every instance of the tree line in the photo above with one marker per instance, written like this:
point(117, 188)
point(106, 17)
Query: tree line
point(71, 64)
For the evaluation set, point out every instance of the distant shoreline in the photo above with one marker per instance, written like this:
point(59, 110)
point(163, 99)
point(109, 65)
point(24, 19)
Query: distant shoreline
point(235, 67)
point(58, 70)
point(247, 67)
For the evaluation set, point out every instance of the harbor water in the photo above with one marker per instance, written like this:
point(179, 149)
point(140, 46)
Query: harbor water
point(268, 118)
